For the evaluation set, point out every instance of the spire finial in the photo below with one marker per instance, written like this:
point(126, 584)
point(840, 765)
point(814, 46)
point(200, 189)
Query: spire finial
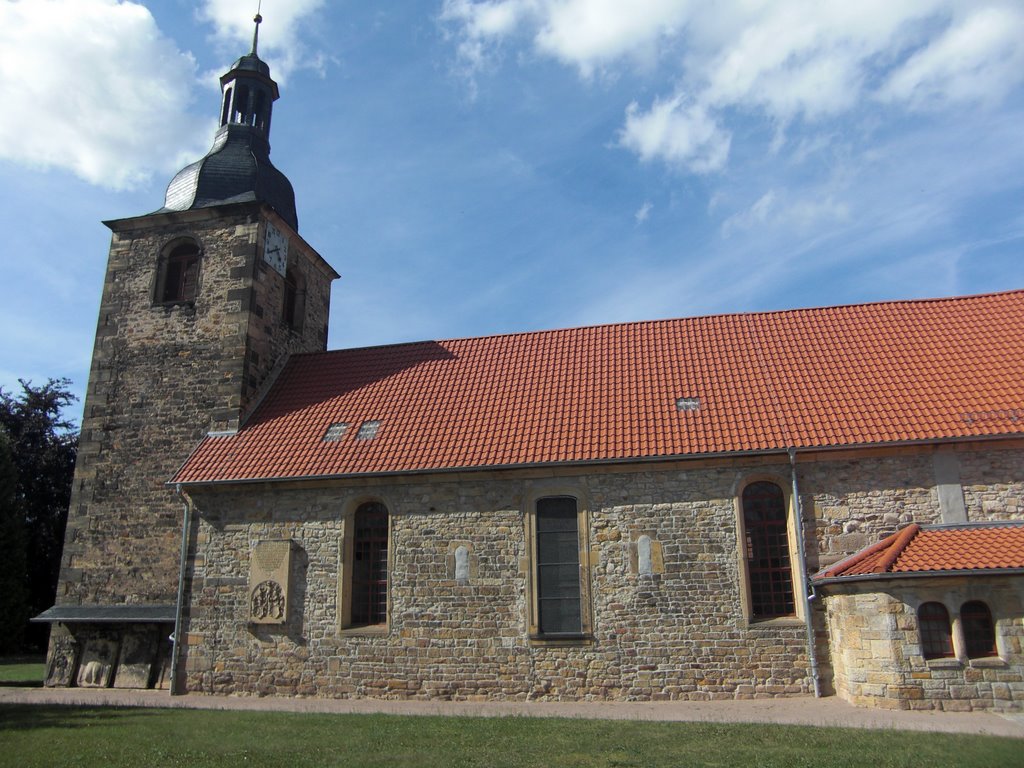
point(256, 35)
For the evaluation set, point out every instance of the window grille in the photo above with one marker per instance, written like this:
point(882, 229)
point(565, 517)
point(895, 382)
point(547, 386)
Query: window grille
point(936, 635)
point(767, 551)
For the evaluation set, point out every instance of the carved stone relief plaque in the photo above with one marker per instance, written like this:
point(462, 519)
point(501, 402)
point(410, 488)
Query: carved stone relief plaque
point(135, 664)
point(97, 663)
point(268, 582)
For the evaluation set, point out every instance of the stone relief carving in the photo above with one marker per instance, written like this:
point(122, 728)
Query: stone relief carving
point(269, 570)
point(62, 663)
point(268, 602)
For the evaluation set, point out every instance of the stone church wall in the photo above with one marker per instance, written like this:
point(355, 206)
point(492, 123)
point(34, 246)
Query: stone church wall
point(679, 633)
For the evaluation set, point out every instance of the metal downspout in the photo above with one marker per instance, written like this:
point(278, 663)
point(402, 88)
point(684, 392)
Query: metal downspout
point(175, 645)
point(802, 562)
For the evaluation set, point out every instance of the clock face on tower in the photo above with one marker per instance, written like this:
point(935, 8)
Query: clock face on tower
point(275, 248)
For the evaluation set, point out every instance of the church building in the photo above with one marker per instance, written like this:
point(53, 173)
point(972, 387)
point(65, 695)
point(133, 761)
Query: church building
point(809, 502)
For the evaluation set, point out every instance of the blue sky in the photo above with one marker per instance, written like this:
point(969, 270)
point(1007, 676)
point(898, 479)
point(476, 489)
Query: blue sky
point(489, 167)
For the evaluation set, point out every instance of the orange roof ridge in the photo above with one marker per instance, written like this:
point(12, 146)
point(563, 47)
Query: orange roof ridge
point(935, 550)
point(863, 555)
point(657, 321)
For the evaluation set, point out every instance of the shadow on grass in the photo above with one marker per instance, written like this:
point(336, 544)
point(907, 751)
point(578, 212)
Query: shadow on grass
point(17, 717)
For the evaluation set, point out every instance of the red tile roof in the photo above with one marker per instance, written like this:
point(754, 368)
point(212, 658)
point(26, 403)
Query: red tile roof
point(929, 549)
point(838, 376)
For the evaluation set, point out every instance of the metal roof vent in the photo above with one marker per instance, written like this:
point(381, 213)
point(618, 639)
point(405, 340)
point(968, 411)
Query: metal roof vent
point(367, 430)
point(335, 432)
point(688, 404)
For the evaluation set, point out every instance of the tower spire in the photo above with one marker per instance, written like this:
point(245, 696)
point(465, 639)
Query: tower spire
point(256, 33)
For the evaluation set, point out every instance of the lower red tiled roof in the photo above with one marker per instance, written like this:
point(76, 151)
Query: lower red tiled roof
point(928, 549)
point(838, 376)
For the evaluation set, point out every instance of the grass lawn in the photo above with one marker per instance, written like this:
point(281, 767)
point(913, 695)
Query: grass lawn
point(67, 736)
point(22, 670)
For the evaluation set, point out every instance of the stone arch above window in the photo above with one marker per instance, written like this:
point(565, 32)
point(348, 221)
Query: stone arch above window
point(979, 629)
point(936, 631)
point(178, 272)
point(766, 544)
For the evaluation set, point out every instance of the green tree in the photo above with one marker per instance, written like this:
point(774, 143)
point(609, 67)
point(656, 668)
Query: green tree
point(43, 446)
point(14, 610)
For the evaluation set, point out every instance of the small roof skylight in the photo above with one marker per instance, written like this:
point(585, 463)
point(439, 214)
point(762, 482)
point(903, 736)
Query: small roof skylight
point(335, 432)
point(688, 404)
point(367, 430)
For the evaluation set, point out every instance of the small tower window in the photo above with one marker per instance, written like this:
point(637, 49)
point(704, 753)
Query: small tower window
point(294, 299)
point(225, 112)
point(178, 275)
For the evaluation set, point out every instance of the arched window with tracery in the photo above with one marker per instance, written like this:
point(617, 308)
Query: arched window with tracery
point(979, 630)
point(936, 633)
point(766, 549)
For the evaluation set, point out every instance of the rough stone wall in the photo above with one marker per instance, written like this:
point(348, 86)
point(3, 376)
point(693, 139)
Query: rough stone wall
point(877, 647)
point(161, 378)
point(678, 633)
point(860, 500)
point(993, 483)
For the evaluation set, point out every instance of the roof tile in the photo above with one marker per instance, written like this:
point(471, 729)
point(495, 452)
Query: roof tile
point(836, 376)
point(923, 549)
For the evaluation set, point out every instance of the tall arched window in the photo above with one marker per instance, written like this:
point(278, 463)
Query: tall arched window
point(979, 631)
point(369, 578)
point(766, 546)
point(178, 273)
point(936, 634)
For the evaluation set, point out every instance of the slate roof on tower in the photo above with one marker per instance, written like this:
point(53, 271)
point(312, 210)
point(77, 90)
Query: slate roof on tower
point(891, 372)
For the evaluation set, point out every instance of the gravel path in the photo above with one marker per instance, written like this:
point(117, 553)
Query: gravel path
point(830, 711)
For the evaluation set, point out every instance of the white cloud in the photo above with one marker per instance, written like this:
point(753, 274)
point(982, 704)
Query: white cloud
point(643, 213)
point(977, 59)
point(280, 41)
point(789, 60)
point(93, 87)
point(590, 33)
point(677, 131)
point(780, 211)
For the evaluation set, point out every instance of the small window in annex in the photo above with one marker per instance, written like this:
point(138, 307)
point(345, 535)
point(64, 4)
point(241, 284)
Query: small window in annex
point(766, 548)
point(936, 634)
point(178, 273)
point(370, 565)
point(979, 631)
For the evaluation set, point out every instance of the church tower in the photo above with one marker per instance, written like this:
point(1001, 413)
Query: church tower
point(203, 299)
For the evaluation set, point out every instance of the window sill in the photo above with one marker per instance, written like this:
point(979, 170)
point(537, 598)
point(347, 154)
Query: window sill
point(561, 640)
point(944, 663)
point(371, 630)
point(778, 621)
point(988, 662)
